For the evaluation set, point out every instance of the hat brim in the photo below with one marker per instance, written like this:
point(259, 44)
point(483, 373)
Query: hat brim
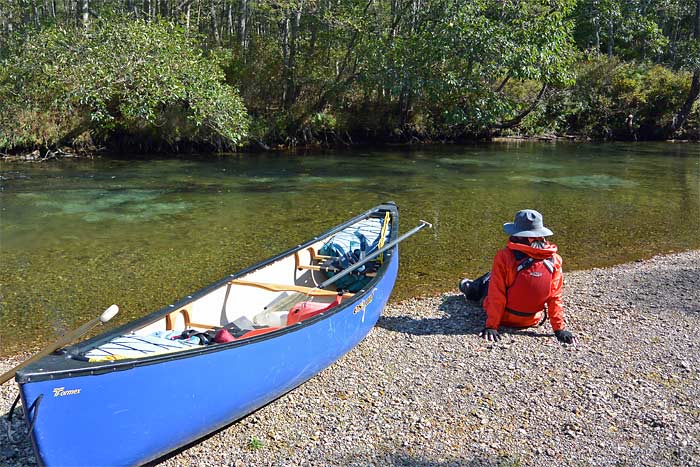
point(511, 229)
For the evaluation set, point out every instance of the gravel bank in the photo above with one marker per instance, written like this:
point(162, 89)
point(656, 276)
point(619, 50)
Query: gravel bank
point(423, 390)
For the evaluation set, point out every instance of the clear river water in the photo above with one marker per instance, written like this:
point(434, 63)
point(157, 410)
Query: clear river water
point(79, 235)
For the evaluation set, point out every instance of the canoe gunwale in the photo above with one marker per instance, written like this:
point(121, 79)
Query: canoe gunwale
point(61, 365)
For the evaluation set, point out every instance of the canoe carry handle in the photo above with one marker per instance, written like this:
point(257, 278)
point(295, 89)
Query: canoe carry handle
point(64, 340)
point(34, 407)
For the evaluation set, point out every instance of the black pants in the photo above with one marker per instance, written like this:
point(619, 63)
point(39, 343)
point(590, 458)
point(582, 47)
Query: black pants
point(478, 289)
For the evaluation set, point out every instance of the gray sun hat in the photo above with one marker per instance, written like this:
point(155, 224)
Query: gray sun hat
point(527, 223)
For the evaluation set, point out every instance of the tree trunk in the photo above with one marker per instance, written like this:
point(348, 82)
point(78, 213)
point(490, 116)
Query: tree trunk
point(229, 20)
point(503, 83)
point(242, 24)
point(674, 41)
point(682, 115)
point(289, 30)
point(215, 23)
point(680, 118)
point(7, 19)
point(292, 85)
point(595, 20)
point(519, 118)
point(284, 39)
point(86, 12)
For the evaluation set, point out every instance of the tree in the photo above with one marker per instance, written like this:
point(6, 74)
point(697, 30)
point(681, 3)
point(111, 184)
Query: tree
point(116, 77)
point(694, 64)
point(401, 68)
point(457, 58)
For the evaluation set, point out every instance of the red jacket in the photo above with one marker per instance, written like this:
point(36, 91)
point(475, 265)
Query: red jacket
point(503, 275)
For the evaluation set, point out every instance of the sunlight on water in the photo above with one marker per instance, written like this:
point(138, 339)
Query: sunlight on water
point(600, 181)
point(103, 205)
point(77, 236)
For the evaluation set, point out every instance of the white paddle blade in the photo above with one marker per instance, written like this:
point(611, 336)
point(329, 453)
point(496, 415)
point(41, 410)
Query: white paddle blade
point(109, 313)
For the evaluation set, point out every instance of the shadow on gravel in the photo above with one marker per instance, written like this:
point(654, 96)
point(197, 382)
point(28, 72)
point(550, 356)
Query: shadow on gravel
point(15, 447)
point(461, 317)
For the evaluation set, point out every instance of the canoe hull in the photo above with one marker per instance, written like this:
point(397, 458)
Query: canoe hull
point(130, 416)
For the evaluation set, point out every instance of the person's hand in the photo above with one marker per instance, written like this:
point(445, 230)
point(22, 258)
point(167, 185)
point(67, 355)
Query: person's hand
point(490, 335)
point(566, 337)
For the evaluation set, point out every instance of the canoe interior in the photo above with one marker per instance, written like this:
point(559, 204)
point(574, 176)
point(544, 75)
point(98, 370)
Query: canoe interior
point(249, 295)
point(260, 297)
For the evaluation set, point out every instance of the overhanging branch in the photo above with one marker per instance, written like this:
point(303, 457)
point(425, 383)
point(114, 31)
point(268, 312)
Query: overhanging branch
point(515, 121)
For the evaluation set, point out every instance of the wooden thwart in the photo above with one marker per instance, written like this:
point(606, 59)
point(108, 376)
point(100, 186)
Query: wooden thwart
point(288, 288)
point(312, 254)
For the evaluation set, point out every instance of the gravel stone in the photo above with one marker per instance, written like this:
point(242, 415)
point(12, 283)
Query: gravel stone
point(424, 390)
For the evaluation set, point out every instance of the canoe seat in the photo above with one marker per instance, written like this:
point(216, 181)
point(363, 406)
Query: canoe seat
point(313, 255)
point(171, 320)
point(325, 264)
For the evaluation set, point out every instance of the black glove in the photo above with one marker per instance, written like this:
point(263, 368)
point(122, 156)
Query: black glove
point(490, 334)
point(565, 336)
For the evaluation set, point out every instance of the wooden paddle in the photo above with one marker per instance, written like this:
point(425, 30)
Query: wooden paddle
point(65, 339)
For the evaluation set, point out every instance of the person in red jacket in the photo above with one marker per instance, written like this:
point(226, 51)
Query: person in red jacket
point(525, 283)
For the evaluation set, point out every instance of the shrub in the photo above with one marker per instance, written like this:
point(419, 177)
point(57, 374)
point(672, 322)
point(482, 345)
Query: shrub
point(608, 91)
point(118, 77)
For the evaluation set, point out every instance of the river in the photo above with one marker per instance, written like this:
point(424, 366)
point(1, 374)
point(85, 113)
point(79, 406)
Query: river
point(79, 235)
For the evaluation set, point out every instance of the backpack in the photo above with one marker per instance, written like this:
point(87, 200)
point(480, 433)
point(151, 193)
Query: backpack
point(343, 257)
point(532, 285)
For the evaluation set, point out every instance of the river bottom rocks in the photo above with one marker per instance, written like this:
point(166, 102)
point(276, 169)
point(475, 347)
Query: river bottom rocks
point(423, 390)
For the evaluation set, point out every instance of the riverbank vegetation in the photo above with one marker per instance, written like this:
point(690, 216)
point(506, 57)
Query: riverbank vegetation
point(162, 75)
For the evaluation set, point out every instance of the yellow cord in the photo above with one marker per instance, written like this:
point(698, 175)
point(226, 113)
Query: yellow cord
point(382, 236)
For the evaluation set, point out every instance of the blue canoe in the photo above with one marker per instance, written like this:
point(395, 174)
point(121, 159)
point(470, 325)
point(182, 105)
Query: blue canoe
point(153, 385)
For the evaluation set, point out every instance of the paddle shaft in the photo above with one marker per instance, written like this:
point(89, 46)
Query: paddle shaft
point(373, 255)
point(62, 341)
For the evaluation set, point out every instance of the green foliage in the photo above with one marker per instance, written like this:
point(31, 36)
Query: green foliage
point(609, 91)
point(509, 461)
point(116, 77)
point(380, 70)
point(632, 29)
point(452, 57)
point(254, 443)
point(322, 121)
point(546, 118)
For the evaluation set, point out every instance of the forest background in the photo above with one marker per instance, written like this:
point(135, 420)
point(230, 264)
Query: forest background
point(219, 75)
